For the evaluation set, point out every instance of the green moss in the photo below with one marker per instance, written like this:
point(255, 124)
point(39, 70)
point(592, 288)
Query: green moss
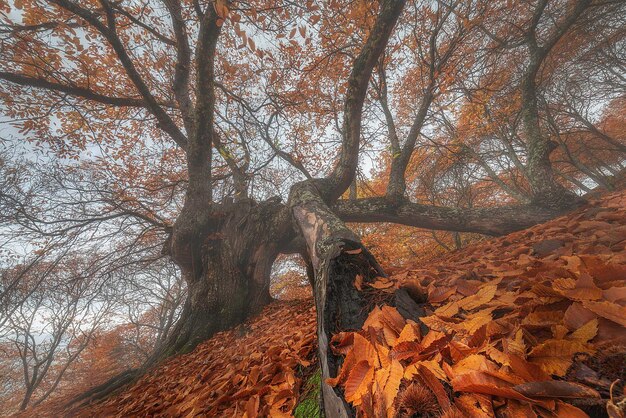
point(309, 404)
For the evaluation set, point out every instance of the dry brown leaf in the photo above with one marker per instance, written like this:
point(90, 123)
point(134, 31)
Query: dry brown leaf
point(576, 316)
point(374, 319)
point(392, 318)
point(543, 318)
point(348, 362)
point(475, 322)
point(517, 409)
point(615, 294)
point(608, 310)
point(440, 294)
point(484, 295)
point(582, 289)
point(383, 355)
point(413, 369)
point(474, 405)
point(480, 382)
point(602, 270)
point(358, 282)
point(448, 310)
point(365, 351)
point(526, 370)
point(381, 376)
point(432, 338)
point(555, 356)
point(433, 383)
point(585, 333)
point(436, 323)
point(459, 350)
point(410, 333)
point(396, 373)
point(359, 382)
point(559, 331)
point(381, 283)
point(405, 350)
point(565, 410)
point(556, 389)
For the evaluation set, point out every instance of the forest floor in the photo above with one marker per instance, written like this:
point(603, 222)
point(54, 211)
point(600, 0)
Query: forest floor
point(529, 324)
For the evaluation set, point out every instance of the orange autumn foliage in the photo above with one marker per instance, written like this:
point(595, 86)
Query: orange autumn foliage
point(522, 325)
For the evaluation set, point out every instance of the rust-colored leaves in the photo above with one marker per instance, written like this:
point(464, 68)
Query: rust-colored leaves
point(517, 327)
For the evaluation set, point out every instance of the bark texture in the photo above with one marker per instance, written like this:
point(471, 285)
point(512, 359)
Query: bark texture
point(489, 221)
point(228, 279)
point(547, 192)
point(337, 256)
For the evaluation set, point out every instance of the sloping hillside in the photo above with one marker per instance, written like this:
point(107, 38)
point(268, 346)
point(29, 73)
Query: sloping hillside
point(255, 367)
point(531, 324)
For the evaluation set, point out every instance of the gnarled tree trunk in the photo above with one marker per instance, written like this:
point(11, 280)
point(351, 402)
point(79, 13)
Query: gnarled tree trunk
point(229, 278)
point(227, 271)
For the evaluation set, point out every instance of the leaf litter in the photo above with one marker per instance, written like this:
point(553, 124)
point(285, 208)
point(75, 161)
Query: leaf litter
point(532, 324)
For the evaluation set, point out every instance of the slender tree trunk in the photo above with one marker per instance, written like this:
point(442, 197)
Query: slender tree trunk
point(547, 192)
point(26, 399)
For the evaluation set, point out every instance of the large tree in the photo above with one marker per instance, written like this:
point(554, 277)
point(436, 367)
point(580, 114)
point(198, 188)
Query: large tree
point(216, 109)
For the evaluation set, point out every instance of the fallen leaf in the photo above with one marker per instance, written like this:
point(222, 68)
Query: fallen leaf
point(608, 310)
point(585, 333)
point(555, 356)
point(359, 382)
point(480, 382)
point(556, 389)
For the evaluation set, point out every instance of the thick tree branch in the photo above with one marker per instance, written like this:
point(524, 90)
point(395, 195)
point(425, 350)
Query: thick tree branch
point(490, 221)
point(197, 217)
point(201, 139)
point(108, 30)
point(344, 171)
point(76, 91)
point(183, 63)
point(336, 256)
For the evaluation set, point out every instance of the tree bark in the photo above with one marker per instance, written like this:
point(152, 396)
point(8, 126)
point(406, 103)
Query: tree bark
point(337, 257)
point(489, 221)
point(229, 280)
point(547, 192)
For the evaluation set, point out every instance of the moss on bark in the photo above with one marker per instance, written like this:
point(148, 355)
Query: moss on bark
point(309, 405)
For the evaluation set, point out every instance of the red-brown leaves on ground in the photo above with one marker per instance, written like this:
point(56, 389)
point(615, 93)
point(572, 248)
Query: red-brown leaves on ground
point(513, 327)
point(249, 371)
point(507, 320)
